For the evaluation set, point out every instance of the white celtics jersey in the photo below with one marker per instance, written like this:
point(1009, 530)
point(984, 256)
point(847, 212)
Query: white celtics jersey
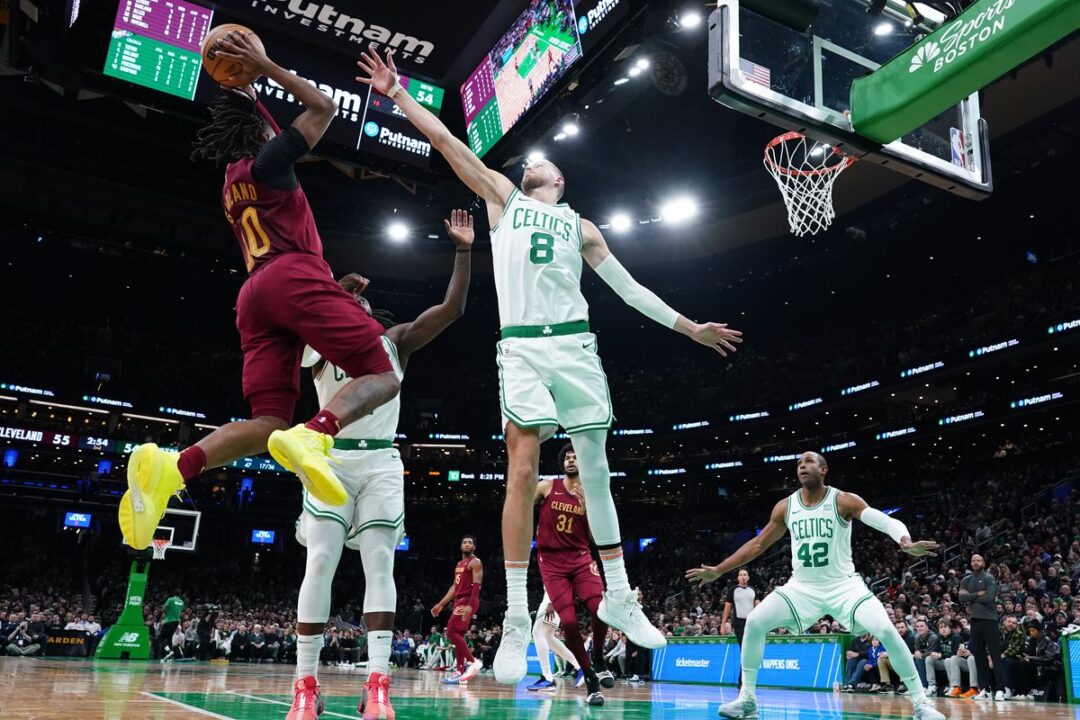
point(379, 425)
point(820, 540)
point(536, 250)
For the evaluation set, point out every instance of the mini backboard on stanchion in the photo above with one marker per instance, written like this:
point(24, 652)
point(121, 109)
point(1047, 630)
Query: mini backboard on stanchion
point(129, 638)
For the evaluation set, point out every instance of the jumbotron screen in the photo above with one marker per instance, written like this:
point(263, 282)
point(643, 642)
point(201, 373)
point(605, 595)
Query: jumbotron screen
point(525, 63)
point(155, 43)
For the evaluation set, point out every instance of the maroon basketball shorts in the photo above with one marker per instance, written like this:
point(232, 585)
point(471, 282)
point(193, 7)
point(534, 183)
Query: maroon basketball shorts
point(567, 574)
point(291, 302)
point(460, 618)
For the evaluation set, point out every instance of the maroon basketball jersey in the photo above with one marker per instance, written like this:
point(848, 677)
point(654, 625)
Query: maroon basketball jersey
point(463, 582)
point(563, 525)
point(267, 222)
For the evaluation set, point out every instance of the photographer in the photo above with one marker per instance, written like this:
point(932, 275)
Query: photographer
point(19, 641)
point(207, 621)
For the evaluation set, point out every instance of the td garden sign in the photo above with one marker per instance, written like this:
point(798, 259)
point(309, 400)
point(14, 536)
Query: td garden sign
point(328, 19)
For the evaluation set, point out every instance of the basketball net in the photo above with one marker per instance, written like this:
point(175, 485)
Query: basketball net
point(805, 171)
point(159, 546)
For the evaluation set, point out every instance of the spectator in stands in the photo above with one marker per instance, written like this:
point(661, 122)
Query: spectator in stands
point(273, 643)
point(489, 645)
point(616, 655)
point(1012, 655)
point(856, 655)
point(401, 650)
point(885, 666)
point(241, 643)
point(926, 646)
point(18, 639)
point(874, 657)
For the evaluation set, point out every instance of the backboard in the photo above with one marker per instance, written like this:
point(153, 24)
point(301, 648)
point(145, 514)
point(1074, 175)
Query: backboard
point(181, 528)
point(801, 81)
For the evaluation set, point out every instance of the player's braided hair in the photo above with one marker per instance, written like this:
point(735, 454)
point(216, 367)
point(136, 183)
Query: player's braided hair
point(236, 129)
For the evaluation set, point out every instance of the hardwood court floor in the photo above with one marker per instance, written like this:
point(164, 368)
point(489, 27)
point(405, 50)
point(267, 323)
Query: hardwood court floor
point(39, 689)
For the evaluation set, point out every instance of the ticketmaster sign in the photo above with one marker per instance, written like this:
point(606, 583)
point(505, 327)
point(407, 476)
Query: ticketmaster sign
point(811, 662)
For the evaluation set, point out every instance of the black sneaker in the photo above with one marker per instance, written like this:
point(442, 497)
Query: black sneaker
point(847, 689)
point(901, 689)
point(592, 688)
point(607, 680)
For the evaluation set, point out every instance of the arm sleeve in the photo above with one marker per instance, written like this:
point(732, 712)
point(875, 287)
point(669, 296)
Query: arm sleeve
point(274, 165)
point(634, 294)
point(883, 523)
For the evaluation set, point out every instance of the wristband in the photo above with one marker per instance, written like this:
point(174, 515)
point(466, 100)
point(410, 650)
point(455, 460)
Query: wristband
point(461, 250)
point(395, 90)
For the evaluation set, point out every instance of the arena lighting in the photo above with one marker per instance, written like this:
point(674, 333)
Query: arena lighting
point(622, 81)
point(570, 128)
point(642, 63)
point(883, 28)
point(678, 209)
point(133, 416)
point(560, 136)
point(534, 156)
point(634, 71)
point(690, 19)
point(397, 231)
point(620, 222)
point(52, 405)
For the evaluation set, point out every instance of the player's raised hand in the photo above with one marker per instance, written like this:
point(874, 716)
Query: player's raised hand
point(702, 575)
point(238, 46)
point(922, 548)
point(718, 336)
point(354, 284)
point(460, 229)
point(380, 75)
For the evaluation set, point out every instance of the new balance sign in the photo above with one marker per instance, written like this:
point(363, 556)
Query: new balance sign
point(967, 53)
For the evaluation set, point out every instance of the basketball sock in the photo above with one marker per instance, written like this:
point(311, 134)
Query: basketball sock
point(324, 422)
point(872, 617)
point(379, 651)
point(517, 594)
point(308, 648)
point(615, 570)
point(543, 647)
point(192, 462)
point(591, 452)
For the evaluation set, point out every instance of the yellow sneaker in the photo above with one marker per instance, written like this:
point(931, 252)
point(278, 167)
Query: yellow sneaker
point(153, 478)
point(304, 452)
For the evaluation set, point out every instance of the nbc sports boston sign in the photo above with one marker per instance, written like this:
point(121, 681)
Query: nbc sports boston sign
point(964, 55)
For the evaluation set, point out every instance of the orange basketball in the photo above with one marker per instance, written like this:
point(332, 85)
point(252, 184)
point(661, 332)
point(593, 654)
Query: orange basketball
point(227, 71)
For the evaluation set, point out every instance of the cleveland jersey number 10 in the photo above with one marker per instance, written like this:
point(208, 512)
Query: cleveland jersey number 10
point(256, 243)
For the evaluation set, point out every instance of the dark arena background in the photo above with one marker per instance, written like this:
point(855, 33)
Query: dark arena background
point(917, 324)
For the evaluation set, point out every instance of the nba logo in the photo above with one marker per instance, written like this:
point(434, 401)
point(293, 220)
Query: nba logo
point(959, 148)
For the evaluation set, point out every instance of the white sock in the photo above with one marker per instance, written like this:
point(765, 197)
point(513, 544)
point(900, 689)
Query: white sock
point(749, 681)
point(378, 651)
point(615, 572)
point(517, 596)
point(307, 655)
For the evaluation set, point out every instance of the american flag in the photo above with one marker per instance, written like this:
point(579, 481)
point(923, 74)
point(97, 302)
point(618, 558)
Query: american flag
point(755, 73)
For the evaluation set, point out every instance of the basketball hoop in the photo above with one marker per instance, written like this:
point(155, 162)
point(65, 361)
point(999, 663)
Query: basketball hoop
point(160, 545)
point(805, 171)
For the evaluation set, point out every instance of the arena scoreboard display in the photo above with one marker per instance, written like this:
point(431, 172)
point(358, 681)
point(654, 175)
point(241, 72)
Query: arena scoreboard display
point(526, 62)
point(155, 43)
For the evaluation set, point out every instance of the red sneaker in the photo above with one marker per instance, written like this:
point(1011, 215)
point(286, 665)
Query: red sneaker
point(375, 699)
point(306, 705)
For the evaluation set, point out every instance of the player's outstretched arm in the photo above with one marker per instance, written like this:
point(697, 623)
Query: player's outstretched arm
point(597, 253)
point(751, 549)
point(410, 337)
point(319, 109)
point(851, 505)
point(494, 187)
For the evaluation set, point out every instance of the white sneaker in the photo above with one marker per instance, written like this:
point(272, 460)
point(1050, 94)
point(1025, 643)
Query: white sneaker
point(743, 707)
point(983, 695)
point(472, 670)
point(1000, 696)
point(926, 711)
point(931, 690)
point(1008, 694)
point(625, 614)
point(510, 664)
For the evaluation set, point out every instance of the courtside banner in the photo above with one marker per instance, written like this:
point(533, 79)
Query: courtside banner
point(1070, 650)
point(812, 662)
point(67, 643)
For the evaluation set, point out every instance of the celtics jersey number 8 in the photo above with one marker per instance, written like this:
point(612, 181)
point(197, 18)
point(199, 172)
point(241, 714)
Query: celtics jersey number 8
point(820, 540)
point(536, 250)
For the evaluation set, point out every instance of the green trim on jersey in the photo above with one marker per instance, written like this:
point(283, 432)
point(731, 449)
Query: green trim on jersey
point(514, 417)
point(397, 522)
point(836, 509)
point(573, 327)
point(580, 236)
point(798, 495)
point(360, 444)
point(324, 514)
point(791, 606)
point(509, 199)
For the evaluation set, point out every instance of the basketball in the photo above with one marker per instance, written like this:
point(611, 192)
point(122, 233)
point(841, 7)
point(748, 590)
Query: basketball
point(227, 71)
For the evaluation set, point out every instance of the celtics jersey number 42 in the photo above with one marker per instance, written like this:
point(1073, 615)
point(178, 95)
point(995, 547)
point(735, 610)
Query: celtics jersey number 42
point(536, 249)
point(820, 540)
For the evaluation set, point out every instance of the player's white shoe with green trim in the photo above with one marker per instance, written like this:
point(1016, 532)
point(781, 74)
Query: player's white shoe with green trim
point(511, 662)
point(743, 707)
point(926, 711)
point(153, 477)
point(625, 614)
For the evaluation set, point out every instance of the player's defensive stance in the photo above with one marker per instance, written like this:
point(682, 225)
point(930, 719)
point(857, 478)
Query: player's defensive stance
point(823, 580)
point(289, 299)
point(465, 593)
point(549, 369)
point(372, 518)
